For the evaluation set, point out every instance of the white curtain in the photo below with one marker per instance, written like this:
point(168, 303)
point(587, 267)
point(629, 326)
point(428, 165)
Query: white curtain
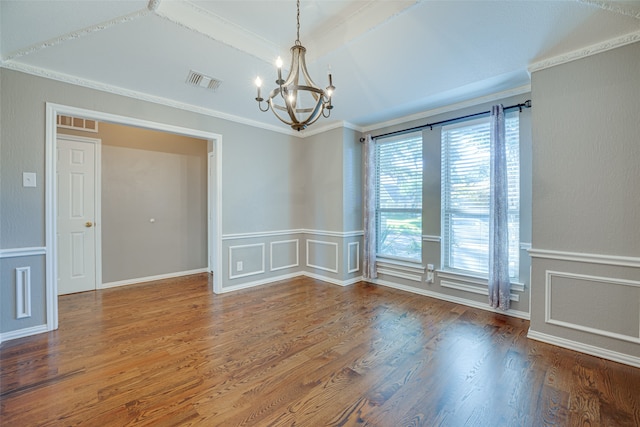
point(369, 208)
point(499, 285)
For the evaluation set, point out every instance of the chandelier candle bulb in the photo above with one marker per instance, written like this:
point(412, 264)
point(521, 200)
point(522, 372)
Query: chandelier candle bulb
point(279, 67)
point(258, 84)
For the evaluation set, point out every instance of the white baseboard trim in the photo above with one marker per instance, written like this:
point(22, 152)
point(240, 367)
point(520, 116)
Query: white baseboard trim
point(151, 278)
point(291, 276)
point(585, 348)
point(449, 298)
point(20, 333)
point(255, 283)
point(334, 281)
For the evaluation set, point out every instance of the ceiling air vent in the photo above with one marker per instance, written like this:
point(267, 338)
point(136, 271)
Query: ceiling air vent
point(198, 79)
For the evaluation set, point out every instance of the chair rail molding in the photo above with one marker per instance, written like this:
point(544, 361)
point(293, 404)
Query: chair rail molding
point(623, 261)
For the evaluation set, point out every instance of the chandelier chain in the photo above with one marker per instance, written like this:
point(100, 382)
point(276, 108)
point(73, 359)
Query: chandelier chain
point(298, 19)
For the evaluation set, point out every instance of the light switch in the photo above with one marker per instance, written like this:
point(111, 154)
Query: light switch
point(28, 179)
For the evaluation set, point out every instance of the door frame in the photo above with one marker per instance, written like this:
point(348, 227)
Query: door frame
point(214, 195)
point(97, 202)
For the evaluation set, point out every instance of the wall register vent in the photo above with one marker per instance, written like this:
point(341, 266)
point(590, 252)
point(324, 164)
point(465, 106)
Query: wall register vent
point(77, 123)
point(198, 79)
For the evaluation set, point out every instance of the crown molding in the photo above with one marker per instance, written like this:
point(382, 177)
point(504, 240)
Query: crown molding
point(611, 7)
point(585, 52)
point(103, 87)
point(449, 108)
point(330, 126)
point(78, 34)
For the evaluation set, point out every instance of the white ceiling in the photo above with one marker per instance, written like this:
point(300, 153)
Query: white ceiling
point(389, 58)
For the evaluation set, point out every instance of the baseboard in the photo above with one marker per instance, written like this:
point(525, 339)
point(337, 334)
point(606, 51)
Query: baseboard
point(449, 298)
point(585, 348)
point(20, 333)
point(291, 276)
point(255, 283)
point(334, 281)
point(151, 278)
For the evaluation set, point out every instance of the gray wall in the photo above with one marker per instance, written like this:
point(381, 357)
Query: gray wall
point(268, 183)
point(148, 175)
point(316, 183)
point(465, 290)
point(586, 204)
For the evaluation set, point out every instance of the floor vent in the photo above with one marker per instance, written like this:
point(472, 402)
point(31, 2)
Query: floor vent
point(198, 79)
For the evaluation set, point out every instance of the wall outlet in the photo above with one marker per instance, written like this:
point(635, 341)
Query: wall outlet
point(430, 273)
point(239, 266)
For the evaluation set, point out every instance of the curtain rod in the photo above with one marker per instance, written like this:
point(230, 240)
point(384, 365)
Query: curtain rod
point(525, 104)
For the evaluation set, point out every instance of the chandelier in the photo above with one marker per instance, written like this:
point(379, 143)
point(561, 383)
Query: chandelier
point(297, 101)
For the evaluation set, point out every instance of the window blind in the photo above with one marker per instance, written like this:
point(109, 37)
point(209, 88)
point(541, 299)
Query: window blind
point(399, 196)
point(466, 195)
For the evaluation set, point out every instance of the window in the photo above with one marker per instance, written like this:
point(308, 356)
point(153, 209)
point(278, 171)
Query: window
point(466, 193)
point(399, 197)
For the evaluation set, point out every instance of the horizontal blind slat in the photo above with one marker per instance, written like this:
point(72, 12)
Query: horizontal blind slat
point(466, 194)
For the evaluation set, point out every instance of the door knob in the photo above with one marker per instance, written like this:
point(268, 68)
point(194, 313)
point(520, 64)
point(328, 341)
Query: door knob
point(88, 224)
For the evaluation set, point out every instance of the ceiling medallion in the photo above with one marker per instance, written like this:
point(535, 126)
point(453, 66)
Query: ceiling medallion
point(297, 101)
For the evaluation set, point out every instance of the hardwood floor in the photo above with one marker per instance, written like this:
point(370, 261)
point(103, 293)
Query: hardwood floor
point(304, 353)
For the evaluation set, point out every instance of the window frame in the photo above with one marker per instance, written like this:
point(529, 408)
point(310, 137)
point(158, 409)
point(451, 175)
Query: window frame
point(447, 210)
point(414, 213)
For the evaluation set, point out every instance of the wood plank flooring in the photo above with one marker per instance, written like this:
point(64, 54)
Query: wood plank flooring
point(300, 353)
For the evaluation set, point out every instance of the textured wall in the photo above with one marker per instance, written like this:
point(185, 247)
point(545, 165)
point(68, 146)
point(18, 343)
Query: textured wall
point(586, 204)
point(268, 183)
point(149, 174)
point(22, 149)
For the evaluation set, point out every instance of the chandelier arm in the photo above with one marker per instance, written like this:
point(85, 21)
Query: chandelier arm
point(260, 106)
point(305, 73)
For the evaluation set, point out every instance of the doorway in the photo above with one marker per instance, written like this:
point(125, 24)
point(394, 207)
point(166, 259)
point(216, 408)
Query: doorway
point(214, 200)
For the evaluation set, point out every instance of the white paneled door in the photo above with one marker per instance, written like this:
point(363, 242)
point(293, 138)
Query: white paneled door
point(76, 234)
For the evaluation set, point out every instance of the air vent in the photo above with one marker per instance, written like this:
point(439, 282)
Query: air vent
point(198, 79)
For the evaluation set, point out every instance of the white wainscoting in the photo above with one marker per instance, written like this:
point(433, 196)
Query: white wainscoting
point(341, 234)
point(273, 250)
point(22, 252)
point(400, 269)
point(472, 289)
point(240, 248)
point(585, 348)
point(23, 292)
point(622, 261)
point(331, 246)
point(628, 291)
point(21, 333)
point(353, 251)
point(457, 300)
